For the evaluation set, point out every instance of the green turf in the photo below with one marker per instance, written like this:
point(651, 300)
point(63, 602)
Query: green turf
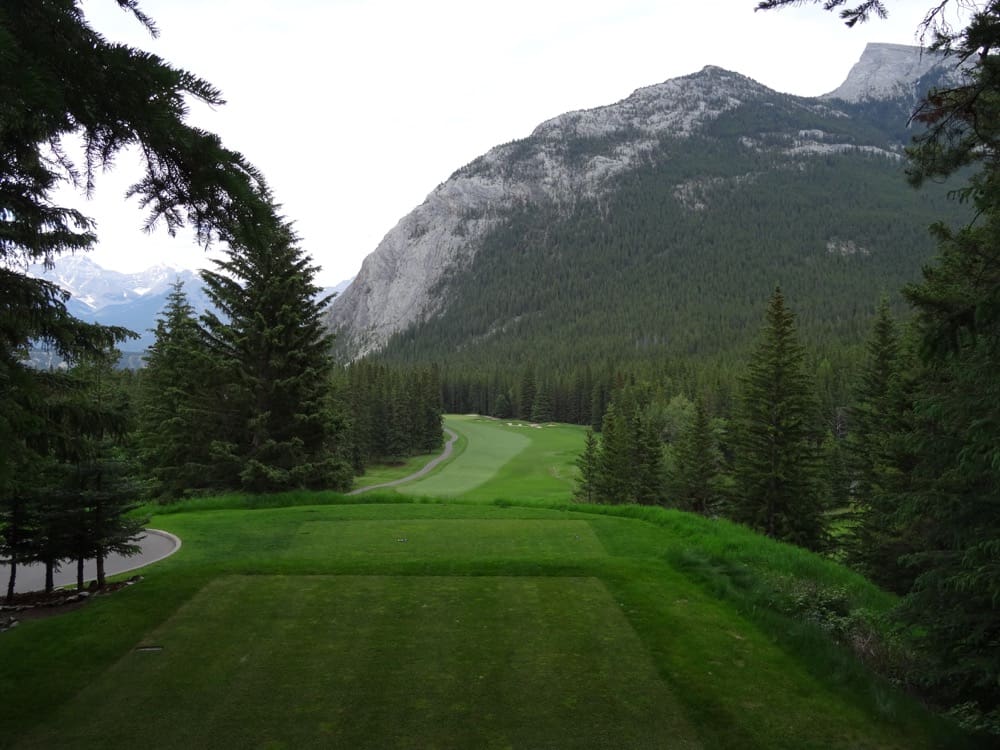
point(390, 472)
point(506, 459)
point(503, 616)
point(435, 539)
point(375, 662)
point(583, 629)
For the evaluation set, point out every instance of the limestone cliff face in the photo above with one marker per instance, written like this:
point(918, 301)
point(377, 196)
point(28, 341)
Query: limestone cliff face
point(887, 71)
point(402, 281)
point(572, 157)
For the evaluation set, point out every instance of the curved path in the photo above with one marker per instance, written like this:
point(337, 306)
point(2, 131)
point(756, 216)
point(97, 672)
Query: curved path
point(154, 546)
point(428, 467)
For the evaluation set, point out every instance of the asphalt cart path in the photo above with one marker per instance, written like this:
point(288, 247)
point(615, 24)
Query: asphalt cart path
point(154, 545)
point(428, 467)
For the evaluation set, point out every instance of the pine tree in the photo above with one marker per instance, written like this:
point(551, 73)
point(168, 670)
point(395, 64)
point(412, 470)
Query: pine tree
point(271, 349)
point(953, 435)
point(615, 466)
point(526, 393)
point(696, 481)
point(777, 460)
point(172, 411)
point(647, 462)
point(950, 500)
point(588, 463)
point(541, 409)
point(881, 460)
point(95, 486)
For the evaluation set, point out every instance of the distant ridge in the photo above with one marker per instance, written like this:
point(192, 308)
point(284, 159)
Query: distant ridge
point(887, 71)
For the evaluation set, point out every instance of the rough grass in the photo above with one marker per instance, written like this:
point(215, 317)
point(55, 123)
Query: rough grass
point(390, 472)
point(620, 635)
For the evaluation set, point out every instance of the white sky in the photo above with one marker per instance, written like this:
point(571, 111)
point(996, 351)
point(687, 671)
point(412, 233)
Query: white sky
point(356, 109)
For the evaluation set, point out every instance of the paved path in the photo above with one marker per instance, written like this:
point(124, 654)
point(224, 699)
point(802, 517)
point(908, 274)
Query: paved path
point(155, 545)
point(429, 466)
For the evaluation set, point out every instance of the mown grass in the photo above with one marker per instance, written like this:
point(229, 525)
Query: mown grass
point(589, 624)
point(410, 670)
point(506, 459)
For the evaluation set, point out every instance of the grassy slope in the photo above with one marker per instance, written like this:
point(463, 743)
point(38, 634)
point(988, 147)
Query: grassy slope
point(584, 621)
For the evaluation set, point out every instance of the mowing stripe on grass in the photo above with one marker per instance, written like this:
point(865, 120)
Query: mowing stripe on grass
point(488, 449)
point(376, 662)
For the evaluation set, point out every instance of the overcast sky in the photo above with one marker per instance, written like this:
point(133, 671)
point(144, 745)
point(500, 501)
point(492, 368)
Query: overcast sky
point(356, 109)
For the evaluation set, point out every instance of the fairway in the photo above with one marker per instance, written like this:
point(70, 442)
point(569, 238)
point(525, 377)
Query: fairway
point(506, 459)
point(376, 662)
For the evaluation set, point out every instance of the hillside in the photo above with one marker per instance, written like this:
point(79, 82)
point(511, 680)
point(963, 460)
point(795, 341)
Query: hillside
point(658, 226)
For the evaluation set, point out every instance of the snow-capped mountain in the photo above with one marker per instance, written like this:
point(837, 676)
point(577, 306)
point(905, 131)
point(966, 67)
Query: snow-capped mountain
point(93, 287)
point(131, 300)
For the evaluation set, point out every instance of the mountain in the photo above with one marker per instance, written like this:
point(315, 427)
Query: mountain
point(890, 71)
point(659, 225)
point(131, 300)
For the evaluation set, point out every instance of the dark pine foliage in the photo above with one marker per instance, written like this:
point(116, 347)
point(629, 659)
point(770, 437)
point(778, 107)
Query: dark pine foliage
point(270, 357)
point(777, 457)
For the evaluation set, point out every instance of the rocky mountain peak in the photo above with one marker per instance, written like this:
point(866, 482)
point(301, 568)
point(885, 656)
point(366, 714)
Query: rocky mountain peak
point(887, 71)
point(577, 157)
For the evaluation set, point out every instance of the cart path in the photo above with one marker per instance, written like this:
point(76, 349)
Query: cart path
point(428, 467)
point(154, 545)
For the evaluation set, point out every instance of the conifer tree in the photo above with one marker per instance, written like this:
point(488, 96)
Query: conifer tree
point(951, 499)
point(614, 466)
point(65, 84)
point(647, 461)
point(526, 393)
point(96, 488)
point(881, 458)
point(777, 459)
point(588, 463)
point(174, 392)
point(541, 409)
point(695, 484)
point(271, 349)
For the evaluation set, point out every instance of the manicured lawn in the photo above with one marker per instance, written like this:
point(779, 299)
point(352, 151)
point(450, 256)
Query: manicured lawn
point(314, 626)
point(376, 662)
point(472, 539)
point(506, 459)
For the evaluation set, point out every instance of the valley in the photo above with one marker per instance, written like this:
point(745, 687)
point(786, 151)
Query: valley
point(672, 422)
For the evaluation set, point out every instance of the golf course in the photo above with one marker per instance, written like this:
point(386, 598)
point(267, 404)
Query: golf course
point(474, 607)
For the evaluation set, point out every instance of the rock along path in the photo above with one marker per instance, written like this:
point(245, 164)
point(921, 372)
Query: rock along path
point(428, 467)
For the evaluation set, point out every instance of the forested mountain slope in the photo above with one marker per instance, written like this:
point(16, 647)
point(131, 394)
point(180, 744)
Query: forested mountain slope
point(658, 226)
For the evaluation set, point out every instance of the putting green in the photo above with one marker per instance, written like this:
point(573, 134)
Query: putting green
point(471, 539)
point(376, 662)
